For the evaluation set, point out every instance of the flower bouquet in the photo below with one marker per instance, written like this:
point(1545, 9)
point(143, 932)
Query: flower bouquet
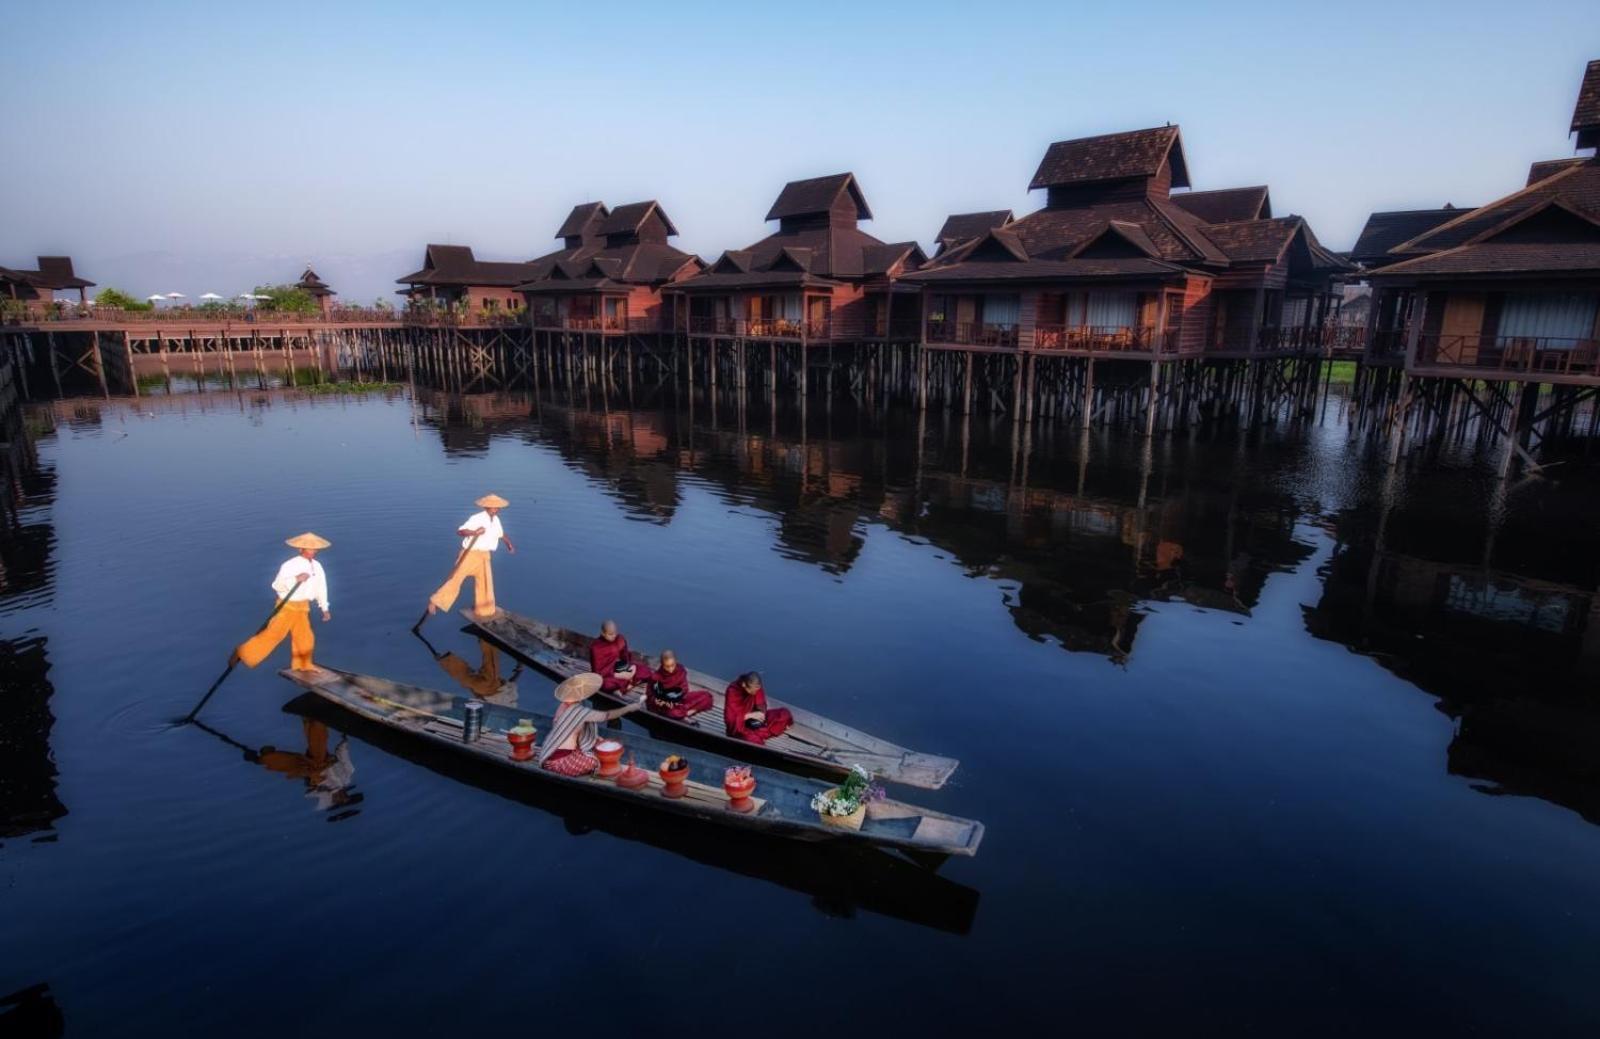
point(739, 784)
point(846, 804)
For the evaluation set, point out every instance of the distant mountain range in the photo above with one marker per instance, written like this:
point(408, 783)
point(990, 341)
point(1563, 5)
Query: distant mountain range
point(356, 277)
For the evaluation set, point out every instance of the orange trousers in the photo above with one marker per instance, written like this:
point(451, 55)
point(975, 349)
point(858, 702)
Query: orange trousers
point(294, 620)
point(474, 564)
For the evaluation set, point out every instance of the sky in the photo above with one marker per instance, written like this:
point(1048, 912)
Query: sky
point(207, 147)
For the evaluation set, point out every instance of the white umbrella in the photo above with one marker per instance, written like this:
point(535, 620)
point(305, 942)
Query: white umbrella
point(209, 295)
point(176, 295)
point(246, 295)
point(264, 297)
point(154, 299)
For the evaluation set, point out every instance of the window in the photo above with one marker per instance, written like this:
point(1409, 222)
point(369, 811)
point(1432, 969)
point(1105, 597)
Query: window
point(1112, 310)
point(1549, 315)
point(1004, 309)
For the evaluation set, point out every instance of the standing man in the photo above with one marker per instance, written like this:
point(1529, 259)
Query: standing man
point(480, 536)
point(299, 583)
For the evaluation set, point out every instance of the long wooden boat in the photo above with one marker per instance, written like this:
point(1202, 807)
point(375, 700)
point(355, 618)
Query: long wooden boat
point(782, 801)
point(813, 740)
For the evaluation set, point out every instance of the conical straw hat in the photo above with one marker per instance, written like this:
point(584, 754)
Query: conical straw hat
point(579, 687)
point(491, 501)
point(308, 540)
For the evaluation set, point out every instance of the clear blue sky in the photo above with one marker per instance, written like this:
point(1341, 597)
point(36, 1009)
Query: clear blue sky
point(338, 128)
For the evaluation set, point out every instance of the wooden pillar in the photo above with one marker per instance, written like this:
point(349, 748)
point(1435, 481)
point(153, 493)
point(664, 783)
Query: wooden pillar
point(127, 353)
point(99, 364)
point(55, 367)
point(1088, 392)
point(966, 387)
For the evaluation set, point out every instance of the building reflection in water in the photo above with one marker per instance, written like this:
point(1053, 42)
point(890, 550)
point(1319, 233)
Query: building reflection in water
point(29, 804)
point(1490, 609)
point(31, 1013)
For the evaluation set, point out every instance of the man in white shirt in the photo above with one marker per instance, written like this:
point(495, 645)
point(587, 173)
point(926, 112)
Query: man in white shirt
point(299, 583)
point(481, 536)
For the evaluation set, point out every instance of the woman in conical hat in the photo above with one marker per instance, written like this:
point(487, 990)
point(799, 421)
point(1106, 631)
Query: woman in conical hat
point(299, 583)
point(575, 730)
point(481, 536)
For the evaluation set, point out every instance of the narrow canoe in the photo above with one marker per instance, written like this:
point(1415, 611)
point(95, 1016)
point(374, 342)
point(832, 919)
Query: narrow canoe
point(782, 801)
point(814, 740)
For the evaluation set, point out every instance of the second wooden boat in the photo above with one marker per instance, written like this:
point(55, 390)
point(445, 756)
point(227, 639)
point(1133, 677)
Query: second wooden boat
point(781, 804)
point(813, 740)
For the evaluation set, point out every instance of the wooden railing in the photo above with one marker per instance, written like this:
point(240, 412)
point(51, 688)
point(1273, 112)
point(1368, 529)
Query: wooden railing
point(973, 333)
point(1106, 339)
point(176, 316)
point(1535, 354)
point(1345, 340)
point(429, 317)
point(588, 323)
point(761, 328)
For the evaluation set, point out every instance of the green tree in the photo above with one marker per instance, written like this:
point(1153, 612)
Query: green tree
point(110, 297)
point(286, 299)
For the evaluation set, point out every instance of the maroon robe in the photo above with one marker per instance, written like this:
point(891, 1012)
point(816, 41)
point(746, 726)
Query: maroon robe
point(603, 657)
point(677, 682)
point(738, 702)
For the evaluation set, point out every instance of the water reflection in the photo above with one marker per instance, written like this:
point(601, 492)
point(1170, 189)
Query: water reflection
point(1491, 609)
point(28, 796)
point(327, 776)
point(1078, 539)
point(483, 681)
point(31, 1013)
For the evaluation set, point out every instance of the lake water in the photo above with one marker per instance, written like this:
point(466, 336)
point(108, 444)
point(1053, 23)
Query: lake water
point(1267, 741)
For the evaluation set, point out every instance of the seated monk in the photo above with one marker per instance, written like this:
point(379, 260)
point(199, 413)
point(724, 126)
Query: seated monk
point(670, 695)
point(618, 667)
point(744, 711)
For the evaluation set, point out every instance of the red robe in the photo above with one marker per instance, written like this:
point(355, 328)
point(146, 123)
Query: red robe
point(677, 682)
point(603, 657)
point(738, 702)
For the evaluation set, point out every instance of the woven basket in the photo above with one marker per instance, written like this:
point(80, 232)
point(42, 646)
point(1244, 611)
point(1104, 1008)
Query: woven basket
point(852, 821)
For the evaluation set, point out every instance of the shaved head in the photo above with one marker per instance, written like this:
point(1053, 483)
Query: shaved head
point(609, 629)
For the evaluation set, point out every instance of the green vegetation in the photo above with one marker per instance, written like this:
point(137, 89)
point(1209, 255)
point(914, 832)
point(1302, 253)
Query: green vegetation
point(109, 297)
point(1341, 372)
point(286, 299)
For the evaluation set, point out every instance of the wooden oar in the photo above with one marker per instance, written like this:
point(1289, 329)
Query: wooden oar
point(233, 663)
point(417, 627)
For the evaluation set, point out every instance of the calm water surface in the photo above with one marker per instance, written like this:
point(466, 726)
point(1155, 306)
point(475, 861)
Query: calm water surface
point(1266, 742)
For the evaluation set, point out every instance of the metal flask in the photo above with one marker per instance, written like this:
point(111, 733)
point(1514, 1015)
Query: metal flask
point(472, 724)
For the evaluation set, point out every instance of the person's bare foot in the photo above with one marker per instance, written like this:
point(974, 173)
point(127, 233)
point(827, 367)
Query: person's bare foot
point(432, 609)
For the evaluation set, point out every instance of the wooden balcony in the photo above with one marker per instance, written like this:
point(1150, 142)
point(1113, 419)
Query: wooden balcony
point(973, 333)
point(1106, 340)
point(761, 328)
point(1511, 356)
point(613, 325)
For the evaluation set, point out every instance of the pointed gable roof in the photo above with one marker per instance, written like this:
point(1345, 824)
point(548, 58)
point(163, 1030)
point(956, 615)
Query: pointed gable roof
point(632, 216)
point(313, 284)
point(1586, 113)
point(1384, 231)
point(1133, 237)
point(958, 227)
point(997, 243)
point(817, 195)
point(579, 220)
point(1115, 156)
point(1226, 205)
point(1578, 184)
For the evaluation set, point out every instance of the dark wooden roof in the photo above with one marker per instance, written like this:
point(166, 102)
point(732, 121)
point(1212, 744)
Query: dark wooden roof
point(313, 284)
point(1550, 167)
point(632, 216)
point(958, 227)
point(455, 266)
point(1554, 234)
point(1578, 186)
point(579, 220)
point(1384, 231)
point(635, 263)
point(1047, 270)
point(1586, 113)
point(54, 272)
point(1226, 205)
point(1116, 156)
point(817, 195)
